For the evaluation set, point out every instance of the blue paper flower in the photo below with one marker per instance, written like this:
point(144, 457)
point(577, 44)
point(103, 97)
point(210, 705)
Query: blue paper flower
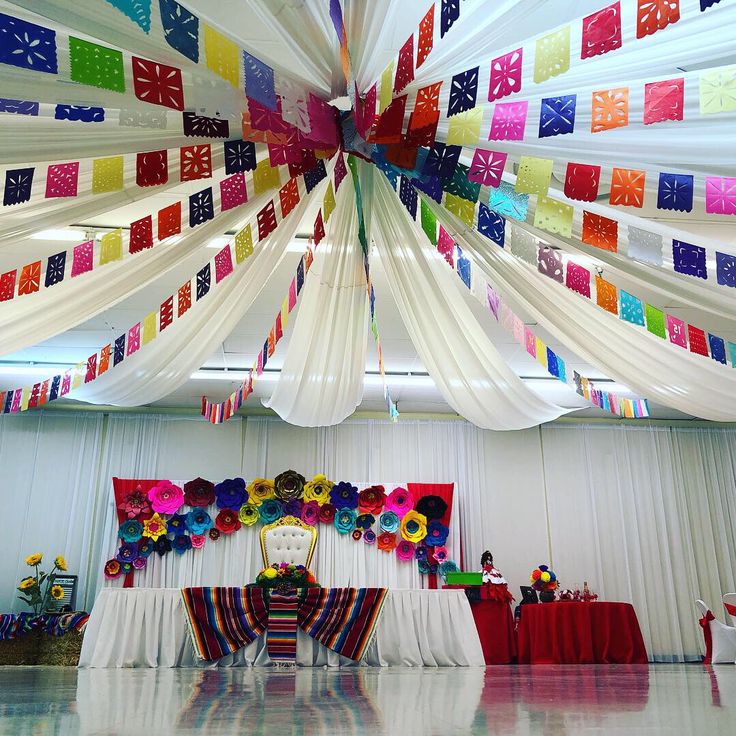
point(198, 521)
point(176, 524)
point(423, 566)
point(145, 548)
point(420, 552)
point(365, 521)
point(388, 521)
point(344, 496)
point(127, 552)
point(130, 530)
point(270, 510)
point(436, 534)
point(181, 544)
point(231, 494)
point(345, 520)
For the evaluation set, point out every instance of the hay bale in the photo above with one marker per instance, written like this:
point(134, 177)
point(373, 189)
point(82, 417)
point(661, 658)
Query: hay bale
point(37, 647)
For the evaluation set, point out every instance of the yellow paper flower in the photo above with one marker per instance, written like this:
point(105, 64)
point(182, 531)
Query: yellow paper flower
point(34, 560)
point(154, 527)
point(259, 490)
point(27, 583)
point(57, 592)
point(269, 572)
point(248, 514)
point(414, 526)
point(60, 562)
point(318, 489)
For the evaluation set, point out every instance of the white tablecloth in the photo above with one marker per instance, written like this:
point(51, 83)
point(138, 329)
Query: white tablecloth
point(146, 627)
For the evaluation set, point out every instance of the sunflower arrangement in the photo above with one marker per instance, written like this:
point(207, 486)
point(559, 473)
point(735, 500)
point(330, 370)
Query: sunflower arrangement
point(40, 588)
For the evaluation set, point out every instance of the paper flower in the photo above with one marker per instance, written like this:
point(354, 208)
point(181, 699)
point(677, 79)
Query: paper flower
point(369, 536)
point(357, 534)
point(33, 560)
point(289, 484)
point(60, 562)
point(198, 540)
point(130, 530)
point(181, 543)
point(388, 521)
point(249, 514)
point(399, 501)
point(231, 494)
point(344, 496)
point(176, 524)
point(423, 566)
point(213, 534)
point(440, 552)
point(327, 513)
point(162, 546)
point(270, 510)
point(227, 521)
point(371, 500)
point(126, 567)
point(420, 552)
point(259, 490)
point(139, 563)
point(318, 489)
point(145, 547)
point(414, 526)
point(345, 520)
point(135, 504)
point(154, 527)
point(165, 497)
point(365, 521)
point(112, 569)
point(198, 521)
point(386, 542)
point(433, 507)
point(292, 507)
point(446, 567)
point(127, 552)
point(310, 512)
point(436, 534)
point(199, 492)
point(405, 550)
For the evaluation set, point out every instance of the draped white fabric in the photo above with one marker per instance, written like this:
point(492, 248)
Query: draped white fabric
point(147, 627)
point(321, 380)
point(463, 362)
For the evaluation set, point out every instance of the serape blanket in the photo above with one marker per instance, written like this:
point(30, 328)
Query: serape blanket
point(13, 625)
point(282, 625)
point(222, 620)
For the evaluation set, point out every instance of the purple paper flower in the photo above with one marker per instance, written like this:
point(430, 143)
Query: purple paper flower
point(344, 495)
point(369, 536)
point(128, 552)
point(231, 494)
point(292, 507)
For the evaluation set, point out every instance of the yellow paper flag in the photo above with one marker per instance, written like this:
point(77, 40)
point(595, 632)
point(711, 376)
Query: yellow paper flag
point(541, 352)
point(553, 216)
point(463, 208)
point(534, 175)
point(25, 396)
point(107, 174)
point(464, 127)
point(718, 91)
point(284, 312)
point(243, 244)
point(328, 204)
point(149, 327)
point(111, 247)
point(223, 56)
point(552, 55)
point(79, 370)
point(387, 84)
point(265, 177)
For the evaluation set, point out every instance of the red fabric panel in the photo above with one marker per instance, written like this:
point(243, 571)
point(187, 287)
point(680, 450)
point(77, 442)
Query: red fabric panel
point(580, 633)
point(707, 635)
point(445, 491)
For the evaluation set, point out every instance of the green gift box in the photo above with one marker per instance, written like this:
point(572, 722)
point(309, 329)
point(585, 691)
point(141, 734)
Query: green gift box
point(465, 578)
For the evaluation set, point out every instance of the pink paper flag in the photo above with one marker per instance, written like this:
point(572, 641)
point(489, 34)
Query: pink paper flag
point(487, 167)
point(720, 195)
point(322, 120)
point(223, 264)
point(578, 279)
point(66, 384)
point(446, 246)
point(530, 342)
point(676, 331)
point(259, 369)
point(365, 112)
point(292, 294)
point(134, 339)
point(507, 317)
point(340, 171)
point(519, 329)
point(61, 180)
point(509, 120)
point(82, 257)
point(233, 191)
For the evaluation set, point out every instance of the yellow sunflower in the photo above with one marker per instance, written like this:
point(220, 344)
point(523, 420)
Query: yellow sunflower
point(414, 526)
point(318, 489)
point(154, 527)
point(27, 583)
point(34, 560)
point(60, 562)
point(57, 592)
point(259, 490)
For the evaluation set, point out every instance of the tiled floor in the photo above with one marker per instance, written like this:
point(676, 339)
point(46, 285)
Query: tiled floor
point(663, 699)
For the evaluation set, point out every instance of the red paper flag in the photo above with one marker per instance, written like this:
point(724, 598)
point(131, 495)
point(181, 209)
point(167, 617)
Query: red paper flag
point(654, 15)
point(426, 36)
point(698, 342)
point(184, 298)
point(405, 65)
point(401, 155)
point(169, 221)
point(319, 228)
point(7, 285)
point(157, 83)
point(601, 31)
point(266, 221)
point(600, 231)
point(195, 162)
point(279, 328)
point(166, 314)
point(141, 234)
point(664, 101)
point(33, 398)
point(365, 111)
point(289, 196)
point(389, 125)
point(91, 368)
point(152, 168)
point(581, 181)
point(428, 98)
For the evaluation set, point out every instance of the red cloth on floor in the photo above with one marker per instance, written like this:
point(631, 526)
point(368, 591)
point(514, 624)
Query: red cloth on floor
point(580, 633)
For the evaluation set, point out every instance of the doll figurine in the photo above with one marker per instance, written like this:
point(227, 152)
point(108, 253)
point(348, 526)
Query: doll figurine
point(496, 585)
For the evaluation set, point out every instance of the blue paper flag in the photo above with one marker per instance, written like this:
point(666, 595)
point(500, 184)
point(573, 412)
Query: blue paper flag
point(705, 4)
point(203, 281)
point(463, 92)
point(139, 11)
point(265, 353)
point(463, 267)
point(118, 353)
point(442, 160)
point(449, 13)
point(18, 107)
point(561, 373)
point(557, 115)
point(552, 363)
point(689, 259)
point(8, 402)
point(717, 348)
point(300, 275)
point(55, 266)
point(181, 29)
point(201, 207)
point(259, 81)
point(491, 224)
point(80, 113)
point(725, 269)
point(27, 45)
point(631, 309)
point(54, 389)
point(18, 183)
point(315, 175)
point(408, 195)
point(505, 200)
point(675, 192)
point(239, 156)
point(430, 186)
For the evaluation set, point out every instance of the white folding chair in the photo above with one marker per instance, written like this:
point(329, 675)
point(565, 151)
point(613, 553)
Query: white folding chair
point(723, 638)
point(729, 603)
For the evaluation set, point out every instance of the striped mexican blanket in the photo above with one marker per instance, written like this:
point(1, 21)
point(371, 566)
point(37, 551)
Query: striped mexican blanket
point(13, 625)
point(343, 619)
point(222, 620)
point(282, 624)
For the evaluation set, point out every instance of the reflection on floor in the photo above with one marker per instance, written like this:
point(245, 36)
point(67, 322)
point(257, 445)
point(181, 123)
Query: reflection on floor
point(673, 699)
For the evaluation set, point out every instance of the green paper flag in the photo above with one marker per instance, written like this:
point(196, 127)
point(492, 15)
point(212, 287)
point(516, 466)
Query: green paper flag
point(655, 321)
point(429, 223)
point(732, 354)
point(96, 66)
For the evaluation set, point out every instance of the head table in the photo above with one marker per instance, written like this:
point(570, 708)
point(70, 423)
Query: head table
point(147, 627)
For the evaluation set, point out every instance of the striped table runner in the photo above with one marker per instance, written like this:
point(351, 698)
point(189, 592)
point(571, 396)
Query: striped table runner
point(282, 625)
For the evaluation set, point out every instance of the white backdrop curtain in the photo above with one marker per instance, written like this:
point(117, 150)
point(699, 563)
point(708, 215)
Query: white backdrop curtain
point(643, 514)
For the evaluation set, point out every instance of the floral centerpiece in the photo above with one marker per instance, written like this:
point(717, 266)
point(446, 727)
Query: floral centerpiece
point(38, 589)
point(285, 575)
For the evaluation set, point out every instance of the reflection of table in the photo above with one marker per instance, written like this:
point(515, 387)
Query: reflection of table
point(495, 624)
point(580, 633)
point(146, 627)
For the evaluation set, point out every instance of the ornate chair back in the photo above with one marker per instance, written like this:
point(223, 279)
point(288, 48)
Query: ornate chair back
point(288, 540)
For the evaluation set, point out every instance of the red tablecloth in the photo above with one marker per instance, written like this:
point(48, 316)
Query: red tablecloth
point(495, 624)
point(580, 633)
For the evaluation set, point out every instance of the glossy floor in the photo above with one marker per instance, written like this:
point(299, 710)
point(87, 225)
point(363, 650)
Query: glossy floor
point(662, 699)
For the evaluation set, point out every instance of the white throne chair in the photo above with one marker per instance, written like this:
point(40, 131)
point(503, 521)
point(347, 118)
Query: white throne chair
point(288, 540)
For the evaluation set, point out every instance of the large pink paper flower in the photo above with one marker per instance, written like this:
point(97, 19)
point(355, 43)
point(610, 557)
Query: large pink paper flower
point(399, 501)
point(165, 497)
point(405, 550)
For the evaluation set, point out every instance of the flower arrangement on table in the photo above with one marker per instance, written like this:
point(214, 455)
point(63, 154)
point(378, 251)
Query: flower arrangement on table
point(285, 575)
point(40, 588)
point(168, 518)
point(545, 581)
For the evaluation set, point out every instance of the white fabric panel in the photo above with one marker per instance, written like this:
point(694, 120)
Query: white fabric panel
point(321, 380)
point(147, 628)
point(650, 366)
point(463, 362)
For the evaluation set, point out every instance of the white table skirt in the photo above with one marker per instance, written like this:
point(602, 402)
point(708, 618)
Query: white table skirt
point(146, 627)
